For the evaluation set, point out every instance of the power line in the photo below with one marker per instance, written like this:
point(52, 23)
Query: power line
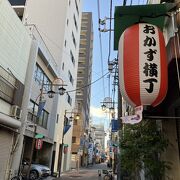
point(110, 15)
point(100, 41)
point(88, 84)
point(55, 44)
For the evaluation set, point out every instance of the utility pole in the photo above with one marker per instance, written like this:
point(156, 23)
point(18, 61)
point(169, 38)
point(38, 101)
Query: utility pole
point(124, 2)
point(62, 144)
point(61, 153)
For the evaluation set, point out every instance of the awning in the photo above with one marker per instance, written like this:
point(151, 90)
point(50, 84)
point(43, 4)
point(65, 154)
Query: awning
point(9, 121)
point(126, 16)
point(39, 136)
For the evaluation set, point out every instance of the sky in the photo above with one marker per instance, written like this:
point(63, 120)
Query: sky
point(98, 91)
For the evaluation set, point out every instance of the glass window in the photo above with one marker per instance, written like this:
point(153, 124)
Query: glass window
point(75, 122)
point(73, 139)
point(72, 57)
point(77, 7)
point(32, 115)
point(63, 66)
point(39, 76)
point(45, 119)
point(74, 40)
point(70, 77)
point(75, 22)
point(40, 120)
point(69, 99)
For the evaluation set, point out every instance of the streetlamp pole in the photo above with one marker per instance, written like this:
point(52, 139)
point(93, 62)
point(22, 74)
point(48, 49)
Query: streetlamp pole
point(62, 146)
point(61, 153)
point(50, 93)
point(66, 122)
point(35, 129)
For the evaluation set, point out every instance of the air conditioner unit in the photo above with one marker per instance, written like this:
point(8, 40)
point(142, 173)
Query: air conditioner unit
point(16, 112)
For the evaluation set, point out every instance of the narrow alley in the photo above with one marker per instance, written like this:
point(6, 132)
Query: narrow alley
point(89, 173)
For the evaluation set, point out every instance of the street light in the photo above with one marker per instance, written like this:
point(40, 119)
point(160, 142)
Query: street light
point(51, 93)
point(108, 105)
point(66, 124)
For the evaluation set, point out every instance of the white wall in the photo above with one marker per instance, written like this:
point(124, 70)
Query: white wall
point(49, 18)
point(55, 22)
point(153, 2)
point(15, 42)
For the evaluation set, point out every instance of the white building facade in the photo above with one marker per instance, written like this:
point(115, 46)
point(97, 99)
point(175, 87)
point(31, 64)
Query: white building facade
point(58, 23)
point(15, 53)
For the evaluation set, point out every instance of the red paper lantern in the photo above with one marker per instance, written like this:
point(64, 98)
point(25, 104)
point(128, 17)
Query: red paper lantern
point(65, 149)
point(142, 65)
point(39, 144)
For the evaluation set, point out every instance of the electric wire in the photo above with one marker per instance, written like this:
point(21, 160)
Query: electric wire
point(88, 84)
point(131, 3)
point(54, 43)
point(110, 23)
point(100, 41)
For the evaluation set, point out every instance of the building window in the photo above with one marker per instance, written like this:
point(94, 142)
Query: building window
point(75, 122)
point(63, 66)
point(32, 115)
point(73, 139)
point(57, 118)
point(67, 22)
point(72, 57)
point(65, 43)
point(40, 77)
point(80, 72)
point(75, 22)
point(70, 77)
point(79, 92)
point(69, 99)
point(77, 9)
point(74, 40)
point(69, 2)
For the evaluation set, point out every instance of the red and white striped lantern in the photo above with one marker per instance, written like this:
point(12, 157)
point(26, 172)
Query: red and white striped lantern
point(142, 65)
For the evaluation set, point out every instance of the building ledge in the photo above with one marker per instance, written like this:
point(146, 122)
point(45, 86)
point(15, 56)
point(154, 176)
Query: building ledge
point(9, 121)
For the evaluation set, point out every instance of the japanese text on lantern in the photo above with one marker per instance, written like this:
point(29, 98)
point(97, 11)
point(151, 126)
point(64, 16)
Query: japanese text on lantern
point(150, 67)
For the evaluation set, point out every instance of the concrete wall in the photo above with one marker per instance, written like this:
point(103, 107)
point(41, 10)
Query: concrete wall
point(15, 42)
point(55, 22)
point(172, 153)
point(49, 18)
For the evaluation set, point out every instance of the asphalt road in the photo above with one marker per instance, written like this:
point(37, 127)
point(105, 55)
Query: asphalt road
point(89, 173)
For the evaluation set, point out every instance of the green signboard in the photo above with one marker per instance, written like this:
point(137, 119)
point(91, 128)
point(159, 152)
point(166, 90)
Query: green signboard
point(126, 16)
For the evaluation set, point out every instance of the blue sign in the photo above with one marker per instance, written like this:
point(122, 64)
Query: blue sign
point(115, 125)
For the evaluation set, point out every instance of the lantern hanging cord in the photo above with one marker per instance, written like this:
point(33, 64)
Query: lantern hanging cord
point(177, 65)
point(175, 50)
point(89, 83)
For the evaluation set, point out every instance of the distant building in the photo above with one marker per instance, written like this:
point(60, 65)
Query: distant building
point(100, 135)
point(83, 93)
